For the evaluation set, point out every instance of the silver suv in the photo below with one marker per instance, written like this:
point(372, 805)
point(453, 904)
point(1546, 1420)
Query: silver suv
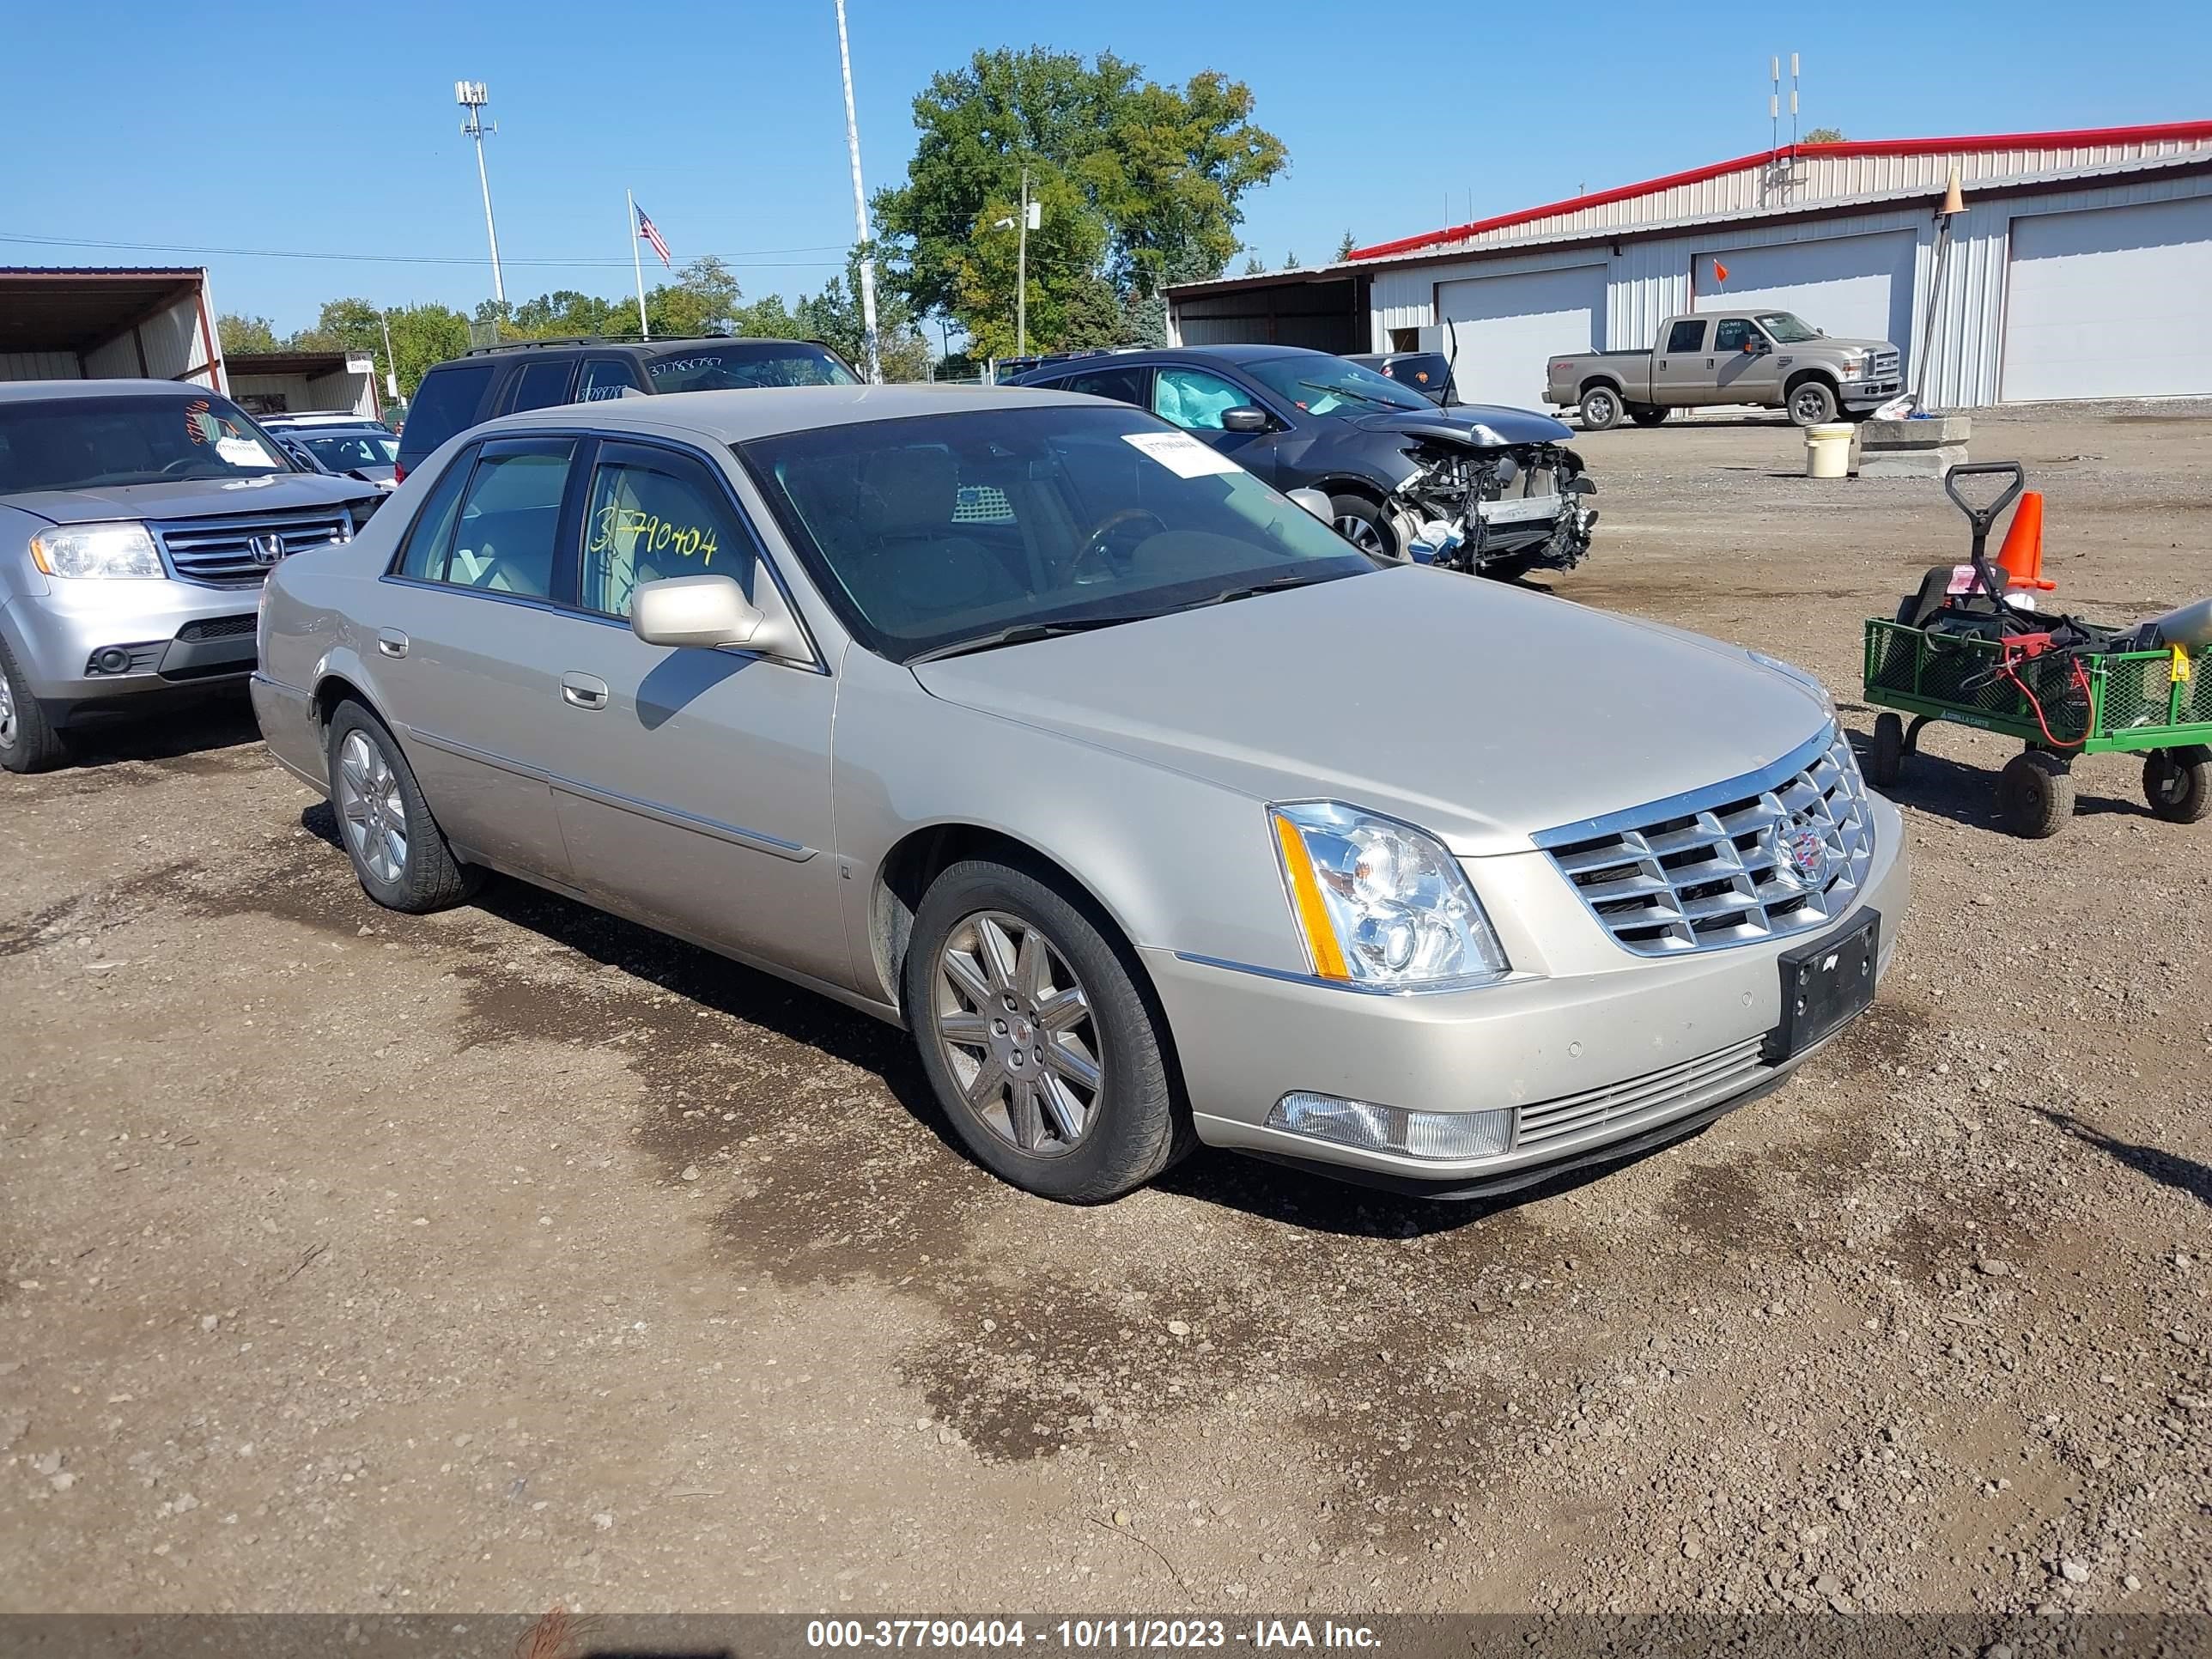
point(139, 519)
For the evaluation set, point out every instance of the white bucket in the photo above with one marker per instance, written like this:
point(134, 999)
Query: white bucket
point(1828, 450)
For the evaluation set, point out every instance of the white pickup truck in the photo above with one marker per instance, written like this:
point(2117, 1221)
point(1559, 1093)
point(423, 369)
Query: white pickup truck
point(1770, 358)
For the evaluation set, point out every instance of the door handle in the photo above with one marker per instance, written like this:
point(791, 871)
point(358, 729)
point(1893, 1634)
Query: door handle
point(583, 691)
point(392, 642)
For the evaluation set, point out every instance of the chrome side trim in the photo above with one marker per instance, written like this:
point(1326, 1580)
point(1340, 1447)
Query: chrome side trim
point(758, 840)
point(1692, 800)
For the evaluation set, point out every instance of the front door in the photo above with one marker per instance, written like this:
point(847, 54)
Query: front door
point(459, 661)
point(1747, 371)
point(692, 786)
point(1682, 368)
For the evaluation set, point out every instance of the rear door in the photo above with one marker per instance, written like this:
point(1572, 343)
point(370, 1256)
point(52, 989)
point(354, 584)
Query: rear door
point(541, 384)
point(1682, 368)
point(464, 654)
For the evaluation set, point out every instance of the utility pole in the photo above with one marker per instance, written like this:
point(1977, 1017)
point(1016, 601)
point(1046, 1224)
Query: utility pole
point(1022, 275)
point(874, 365)
point(472, 96)
point(390, 363)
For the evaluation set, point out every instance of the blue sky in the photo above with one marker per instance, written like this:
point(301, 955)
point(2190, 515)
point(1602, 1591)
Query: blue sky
point(332, 129)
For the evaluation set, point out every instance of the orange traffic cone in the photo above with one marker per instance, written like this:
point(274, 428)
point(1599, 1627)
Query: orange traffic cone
point(2021, 557)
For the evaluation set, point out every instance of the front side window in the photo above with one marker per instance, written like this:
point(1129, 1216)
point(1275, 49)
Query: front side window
point(502, 539)
point(948, 532)
point(1686, 335)
point(607, 377)
point(1193, 400)
point(1734, 334)
point(653, 514)
point(90, 443)
point(1321, 384)
point(721, 366)
point(542, 385)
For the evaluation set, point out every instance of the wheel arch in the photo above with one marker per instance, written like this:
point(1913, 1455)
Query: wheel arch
point(1607, 379)
point(1814, 371)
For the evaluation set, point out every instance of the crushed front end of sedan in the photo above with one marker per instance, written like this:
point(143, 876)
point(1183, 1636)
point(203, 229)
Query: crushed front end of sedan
point(1492, 503)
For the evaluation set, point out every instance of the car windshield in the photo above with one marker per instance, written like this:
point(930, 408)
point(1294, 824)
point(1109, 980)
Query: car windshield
point(748, 363)
point(945, 533)
point(85, 443)
point(1329, 385)
point(344, 451)
point(1786, 328)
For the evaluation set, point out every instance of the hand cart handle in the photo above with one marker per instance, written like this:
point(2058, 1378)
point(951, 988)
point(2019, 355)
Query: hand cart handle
point(1983, 517)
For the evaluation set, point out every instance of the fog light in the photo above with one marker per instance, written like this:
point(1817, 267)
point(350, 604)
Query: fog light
point(1394, 1129)
point(113, 660)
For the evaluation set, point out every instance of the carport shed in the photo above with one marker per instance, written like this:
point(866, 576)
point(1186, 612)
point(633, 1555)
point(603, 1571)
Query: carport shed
point(92, 324)
point(2078, 270)
point(293, 382)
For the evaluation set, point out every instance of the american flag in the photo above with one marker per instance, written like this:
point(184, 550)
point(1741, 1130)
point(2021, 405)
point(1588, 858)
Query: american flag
point(645, 228)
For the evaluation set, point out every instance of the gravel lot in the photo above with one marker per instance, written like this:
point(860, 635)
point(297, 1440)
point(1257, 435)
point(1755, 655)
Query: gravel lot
point(516, 1257)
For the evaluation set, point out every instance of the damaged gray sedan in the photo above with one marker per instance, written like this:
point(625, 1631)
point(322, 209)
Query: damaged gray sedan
point(1473, 487)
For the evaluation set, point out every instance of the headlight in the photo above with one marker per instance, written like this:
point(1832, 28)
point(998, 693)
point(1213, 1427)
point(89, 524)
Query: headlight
point(1790, 671)
point(1854, 365)
point(1381, 904)
point(96, 549)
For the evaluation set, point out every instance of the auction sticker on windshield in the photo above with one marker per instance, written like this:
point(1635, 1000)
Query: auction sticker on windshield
point(1181, 453)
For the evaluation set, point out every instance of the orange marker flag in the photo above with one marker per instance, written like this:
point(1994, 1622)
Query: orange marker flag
point(1720, 272)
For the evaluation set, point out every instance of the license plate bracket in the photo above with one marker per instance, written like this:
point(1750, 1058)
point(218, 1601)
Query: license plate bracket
point(1825, 986)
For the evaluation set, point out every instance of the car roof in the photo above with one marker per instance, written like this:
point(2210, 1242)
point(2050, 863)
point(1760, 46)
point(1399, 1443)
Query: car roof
point(34, 391)
point(1232, 355)
point(585, 345)
point(735, 415)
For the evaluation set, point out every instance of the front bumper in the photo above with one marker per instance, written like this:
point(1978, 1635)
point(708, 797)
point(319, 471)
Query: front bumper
point(172, 636)
point(1617, 1051)
point(1870, 394)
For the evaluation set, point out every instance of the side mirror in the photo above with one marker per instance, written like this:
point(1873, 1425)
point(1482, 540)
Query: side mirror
point(701, 612)
point(1244, 418)
point(1317, 503)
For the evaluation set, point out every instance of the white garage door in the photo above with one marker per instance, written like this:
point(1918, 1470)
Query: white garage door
point(2110, 303)
point(1504, 330)
point(1854, 288)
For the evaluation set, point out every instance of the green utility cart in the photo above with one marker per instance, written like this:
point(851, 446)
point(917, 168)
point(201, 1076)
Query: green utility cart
point(2058, 703)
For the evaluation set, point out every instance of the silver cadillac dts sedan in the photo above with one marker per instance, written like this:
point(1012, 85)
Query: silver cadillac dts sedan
point(1156, 812)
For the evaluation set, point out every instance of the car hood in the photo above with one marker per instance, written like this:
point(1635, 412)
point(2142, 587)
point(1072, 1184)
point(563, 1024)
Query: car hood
point(1489, 425)
point(1827, 341)
point(1482, 713)
point(191, 498)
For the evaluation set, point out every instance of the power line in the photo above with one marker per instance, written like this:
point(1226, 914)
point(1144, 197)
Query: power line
point(753, 260)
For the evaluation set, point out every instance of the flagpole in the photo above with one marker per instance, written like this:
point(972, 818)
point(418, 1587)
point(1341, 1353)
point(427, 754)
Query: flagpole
point(637, 265)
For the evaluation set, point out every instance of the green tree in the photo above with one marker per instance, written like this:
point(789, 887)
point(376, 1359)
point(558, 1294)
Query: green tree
point(1139, 184)
point(1823, 136)
point(1253, 265)
point(703, 300)
point(1344, 248)
point(245, 334)
point(1290, 261)
point(836, 318)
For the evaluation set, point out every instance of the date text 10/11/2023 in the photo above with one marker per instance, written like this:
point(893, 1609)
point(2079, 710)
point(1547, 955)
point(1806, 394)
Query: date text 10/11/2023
point(1087, 1635)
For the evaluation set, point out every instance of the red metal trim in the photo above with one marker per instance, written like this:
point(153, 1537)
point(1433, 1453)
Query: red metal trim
point(2171, 132)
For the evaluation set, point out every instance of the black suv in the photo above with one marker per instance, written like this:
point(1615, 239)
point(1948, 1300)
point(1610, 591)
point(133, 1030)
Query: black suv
point(500, 379)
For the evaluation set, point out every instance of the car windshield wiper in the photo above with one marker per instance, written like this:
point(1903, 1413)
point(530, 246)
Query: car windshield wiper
point(1229, 595)
point(1022, 633)
point(1347, 392)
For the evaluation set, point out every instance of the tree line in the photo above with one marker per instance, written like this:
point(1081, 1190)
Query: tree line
point(1138, 186)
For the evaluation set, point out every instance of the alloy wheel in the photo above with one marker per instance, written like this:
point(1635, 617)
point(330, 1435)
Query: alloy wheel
point(371, 808)
point(1017, 1030)
point(6, 712)
point(1811, 406)
point(1361, 533)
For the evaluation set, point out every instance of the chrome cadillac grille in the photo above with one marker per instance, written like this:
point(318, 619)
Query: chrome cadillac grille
point(1778, 852)
point(239, 552)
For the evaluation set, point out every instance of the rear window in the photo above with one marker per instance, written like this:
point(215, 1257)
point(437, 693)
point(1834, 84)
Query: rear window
point(445, 402)
point(714, 367)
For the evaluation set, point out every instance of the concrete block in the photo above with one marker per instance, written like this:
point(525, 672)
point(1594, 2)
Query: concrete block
point(1915, 434)
point(1911, 463)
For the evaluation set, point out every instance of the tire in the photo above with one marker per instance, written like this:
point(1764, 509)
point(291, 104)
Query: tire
point(1811, 403)
point(1365, 524)
point(2035, 794)
point(1647, 414)
point(1885, 755)
point(1602, 409)
point(987, 934)
point(398, 852)
point(29, 741)
point(2178, 783)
